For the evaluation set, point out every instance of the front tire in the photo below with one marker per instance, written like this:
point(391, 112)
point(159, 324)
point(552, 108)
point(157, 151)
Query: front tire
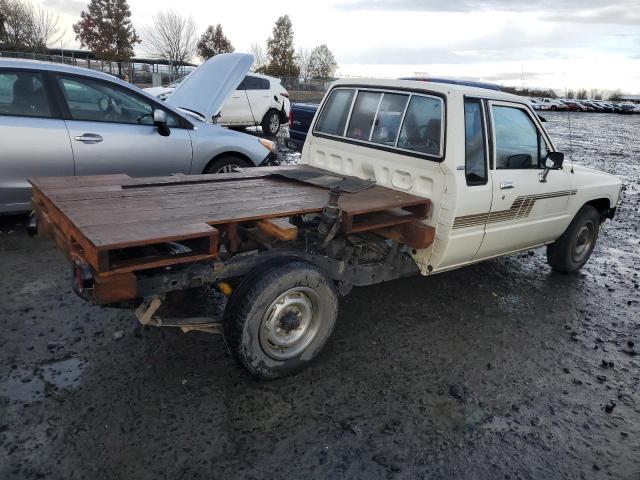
point(279, 318)
point(271, 123)
point(571, 251)
point(226, 164)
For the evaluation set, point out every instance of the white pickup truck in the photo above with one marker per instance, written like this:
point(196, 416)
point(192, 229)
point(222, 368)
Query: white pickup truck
point(497, 184)
point(434, 176)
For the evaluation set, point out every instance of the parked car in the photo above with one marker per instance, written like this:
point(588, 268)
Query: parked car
point(62, 120)
point(573, 106)
point(627, 108)
point(553, 104)
point(257, 100)
point(300, 118)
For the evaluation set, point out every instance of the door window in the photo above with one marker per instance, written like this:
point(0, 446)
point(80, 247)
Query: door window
point(23, 94)
point(96, 101)
point(518, 143)
point(254, 83)
point(335, 112)
point(475, 166)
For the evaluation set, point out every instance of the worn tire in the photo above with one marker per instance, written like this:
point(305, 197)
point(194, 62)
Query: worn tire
point(271, 123)
point(253, 307)
point(227, 162)
point(572, 250)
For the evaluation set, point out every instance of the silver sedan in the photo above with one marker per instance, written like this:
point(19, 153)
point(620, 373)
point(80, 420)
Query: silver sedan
point(57, 120)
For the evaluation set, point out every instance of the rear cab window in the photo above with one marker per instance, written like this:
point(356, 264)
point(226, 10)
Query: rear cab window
point(405, 121)
point(475, 161)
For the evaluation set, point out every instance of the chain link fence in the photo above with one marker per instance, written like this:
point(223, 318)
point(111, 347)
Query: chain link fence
point(306, 90)
point(138, 72)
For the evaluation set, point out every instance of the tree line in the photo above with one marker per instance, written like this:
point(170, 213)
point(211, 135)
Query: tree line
point(105, 28)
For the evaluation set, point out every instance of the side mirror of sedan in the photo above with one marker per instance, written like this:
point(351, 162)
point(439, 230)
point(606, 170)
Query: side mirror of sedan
point(160, 121)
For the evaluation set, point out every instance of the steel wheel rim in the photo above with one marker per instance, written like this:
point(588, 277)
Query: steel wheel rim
point(290, 323)
point(274, 123)
point(584, 241)
point(228, 168)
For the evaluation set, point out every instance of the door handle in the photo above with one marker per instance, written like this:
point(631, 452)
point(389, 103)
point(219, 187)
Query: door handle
point(88, 138)
point(506, 185)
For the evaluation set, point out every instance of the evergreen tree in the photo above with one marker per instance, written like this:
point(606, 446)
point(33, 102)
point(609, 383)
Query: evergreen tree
point(213, 42)
point(280, 53)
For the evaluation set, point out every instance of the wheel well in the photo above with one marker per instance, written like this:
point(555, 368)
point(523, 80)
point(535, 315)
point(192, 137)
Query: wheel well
point(228, 154)
point(272, 110)
point(603, 205)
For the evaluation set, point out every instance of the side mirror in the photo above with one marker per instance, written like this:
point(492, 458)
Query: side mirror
point(160, 121)
point(554, 160)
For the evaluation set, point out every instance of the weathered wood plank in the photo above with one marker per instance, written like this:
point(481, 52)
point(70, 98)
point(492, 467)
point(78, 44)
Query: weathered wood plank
point(279, 228)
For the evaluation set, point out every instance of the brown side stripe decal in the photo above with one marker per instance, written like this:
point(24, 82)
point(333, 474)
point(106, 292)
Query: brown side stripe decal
point(521, 208)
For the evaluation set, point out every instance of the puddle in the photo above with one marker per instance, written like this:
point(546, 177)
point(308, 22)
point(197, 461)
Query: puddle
point(64, 373)
point(22, 386)
point(25, 386)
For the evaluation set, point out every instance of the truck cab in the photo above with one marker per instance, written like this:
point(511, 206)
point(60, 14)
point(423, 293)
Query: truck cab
point(483, 157)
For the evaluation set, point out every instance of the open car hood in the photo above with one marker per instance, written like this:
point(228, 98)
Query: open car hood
point(207, 88)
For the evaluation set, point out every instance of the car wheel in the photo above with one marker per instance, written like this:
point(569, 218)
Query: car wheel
point(271, 123)
point(553, 107)
point(279, 318)
point(226, 164)
point(572, 250)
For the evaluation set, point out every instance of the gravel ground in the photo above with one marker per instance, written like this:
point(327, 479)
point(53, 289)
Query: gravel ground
point(499, 370)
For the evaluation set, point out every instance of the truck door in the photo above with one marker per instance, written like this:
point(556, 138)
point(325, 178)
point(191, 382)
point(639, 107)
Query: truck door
point(526, 211)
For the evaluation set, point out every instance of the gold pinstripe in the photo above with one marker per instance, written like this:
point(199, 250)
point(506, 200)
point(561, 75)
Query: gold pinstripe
point(520, 208)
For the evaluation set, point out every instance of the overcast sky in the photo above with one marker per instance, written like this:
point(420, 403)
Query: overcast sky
point(548, 43)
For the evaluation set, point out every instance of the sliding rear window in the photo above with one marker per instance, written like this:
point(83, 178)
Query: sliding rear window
point(399, 120)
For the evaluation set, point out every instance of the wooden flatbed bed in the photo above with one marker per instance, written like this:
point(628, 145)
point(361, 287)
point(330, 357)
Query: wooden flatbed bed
point(110, 221)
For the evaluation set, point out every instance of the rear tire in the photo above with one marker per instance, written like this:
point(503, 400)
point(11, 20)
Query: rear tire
point(271, 123)
point(571, 251)
point(279, 318)
point(226, 164)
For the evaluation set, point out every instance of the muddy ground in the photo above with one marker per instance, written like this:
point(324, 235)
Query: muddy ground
point(502, 370)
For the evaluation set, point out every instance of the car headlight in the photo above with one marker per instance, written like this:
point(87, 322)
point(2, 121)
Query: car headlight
point(268, 144)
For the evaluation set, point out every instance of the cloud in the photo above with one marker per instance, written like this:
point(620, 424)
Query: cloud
point(627, 12)
point(69, 7)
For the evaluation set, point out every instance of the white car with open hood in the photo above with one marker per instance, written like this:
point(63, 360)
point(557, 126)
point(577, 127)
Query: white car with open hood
point(256, 100)
point(57, 120)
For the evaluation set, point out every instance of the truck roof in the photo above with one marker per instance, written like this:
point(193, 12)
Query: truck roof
point(436, 87)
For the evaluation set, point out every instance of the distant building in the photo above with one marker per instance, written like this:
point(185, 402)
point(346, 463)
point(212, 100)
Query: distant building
point(630, 98)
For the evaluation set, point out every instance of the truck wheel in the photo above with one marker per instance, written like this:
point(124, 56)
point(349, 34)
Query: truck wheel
point(226, 164)
point(572, 250)
point(271, 123)
point(279, 318)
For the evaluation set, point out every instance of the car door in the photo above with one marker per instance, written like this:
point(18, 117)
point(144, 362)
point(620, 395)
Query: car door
point(526, 210)
point(261, 98)
point(33, 138)
point(112, 131)
point(236, 110)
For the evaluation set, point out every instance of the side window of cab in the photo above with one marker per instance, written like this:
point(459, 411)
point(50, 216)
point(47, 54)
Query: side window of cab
point(519, 144)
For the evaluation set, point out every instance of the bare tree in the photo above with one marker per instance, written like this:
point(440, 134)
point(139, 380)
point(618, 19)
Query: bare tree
point(582, 94)
point(17, 25)
point(303, 60)
point(45, 27)
point(259, 58)
point(25, 27)
point(171, 37)
point(322, 62)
